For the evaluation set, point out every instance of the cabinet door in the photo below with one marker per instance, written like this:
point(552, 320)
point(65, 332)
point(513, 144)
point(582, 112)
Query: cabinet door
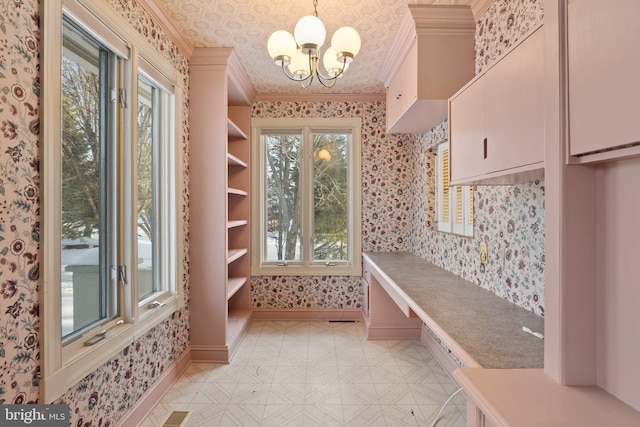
point(515, 107)
point(604, 74)
point(467, 132)
point(403, 90)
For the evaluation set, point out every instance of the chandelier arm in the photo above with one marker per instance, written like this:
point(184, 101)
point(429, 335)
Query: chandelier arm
point(292, 77)
point(344, 64)
point(322, 79)
point(307, 86)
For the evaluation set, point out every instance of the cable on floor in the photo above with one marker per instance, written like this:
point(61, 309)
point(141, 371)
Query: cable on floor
point(433, 424)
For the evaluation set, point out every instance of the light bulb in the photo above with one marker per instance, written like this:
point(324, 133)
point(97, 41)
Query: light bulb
point(281, 46)
point(346, 43)
point(332, 65)
point(309, 33)
point(299, 65)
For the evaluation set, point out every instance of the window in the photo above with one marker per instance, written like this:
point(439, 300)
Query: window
point(88, 244)
point(454, 203)
point(155, 165)
point(308, 209)
point(111, 210)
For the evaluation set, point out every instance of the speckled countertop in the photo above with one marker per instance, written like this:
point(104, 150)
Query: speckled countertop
point(486, 326)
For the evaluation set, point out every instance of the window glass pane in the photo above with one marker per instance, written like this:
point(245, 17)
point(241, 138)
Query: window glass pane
point(284, 205)
point(146, 166)
point(330, 197)
point(86, 266)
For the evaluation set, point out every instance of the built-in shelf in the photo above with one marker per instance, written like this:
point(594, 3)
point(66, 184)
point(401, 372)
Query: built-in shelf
point(235, 254)
point(234, 132)
point(236, 223)
point(237, 321)
point(221, 131)
point(234, 161)
point(234, 284)
point(236, 192)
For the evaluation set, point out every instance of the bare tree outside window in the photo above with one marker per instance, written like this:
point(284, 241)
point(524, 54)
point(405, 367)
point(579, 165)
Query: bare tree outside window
point(330, 202)
point(284, 196)
point(284, 204)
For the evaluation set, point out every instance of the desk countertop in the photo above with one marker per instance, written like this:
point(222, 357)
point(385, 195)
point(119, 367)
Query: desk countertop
point(486, 326)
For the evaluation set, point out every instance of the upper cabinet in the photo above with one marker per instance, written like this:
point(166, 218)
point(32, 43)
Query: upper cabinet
point(604, 78)
point(430, 58)
point(496, 122)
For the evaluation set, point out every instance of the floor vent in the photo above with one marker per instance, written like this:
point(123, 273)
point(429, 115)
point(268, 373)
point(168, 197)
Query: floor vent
point(176, 419)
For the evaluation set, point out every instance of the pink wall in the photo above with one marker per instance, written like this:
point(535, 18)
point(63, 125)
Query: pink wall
point(618, 279)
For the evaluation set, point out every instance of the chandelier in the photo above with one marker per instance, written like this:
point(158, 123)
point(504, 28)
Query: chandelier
point(299, 56)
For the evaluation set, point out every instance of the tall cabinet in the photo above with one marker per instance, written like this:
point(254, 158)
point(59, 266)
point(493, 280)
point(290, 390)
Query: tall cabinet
point(219, 183)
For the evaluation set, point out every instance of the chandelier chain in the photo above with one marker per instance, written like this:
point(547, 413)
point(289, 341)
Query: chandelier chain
point(315, 8)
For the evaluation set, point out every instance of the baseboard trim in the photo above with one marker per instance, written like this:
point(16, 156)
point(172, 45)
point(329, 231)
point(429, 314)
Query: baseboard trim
point(210, 354)
point(307, 315)
point(147, 402)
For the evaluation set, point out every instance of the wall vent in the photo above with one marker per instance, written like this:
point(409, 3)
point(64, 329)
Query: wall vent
point(176, 419)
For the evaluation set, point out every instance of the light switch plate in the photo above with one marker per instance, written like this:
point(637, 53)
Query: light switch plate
point(484, 254)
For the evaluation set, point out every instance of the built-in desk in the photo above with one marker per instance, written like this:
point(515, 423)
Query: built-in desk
point(478, 327)
point(406, 294)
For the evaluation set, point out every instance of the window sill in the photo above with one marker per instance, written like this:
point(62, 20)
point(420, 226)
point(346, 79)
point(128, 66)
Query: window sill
point(151, 317)
point(291, 270)
point(82, 361)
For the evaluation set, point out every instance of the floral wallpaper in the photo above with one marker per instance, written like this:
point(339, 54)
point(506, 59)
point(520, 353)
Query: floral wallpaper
point(103, 396)
point(19, 201)
point(510, 219)
point(386, 174)
point(502, 25)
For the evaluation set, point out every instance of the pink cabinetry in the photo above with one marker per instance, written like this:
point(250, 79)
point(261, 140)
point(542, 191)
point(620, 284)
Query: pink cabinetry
point(403, 89)
point(497, 120)
point(591, 374)
point(603, 75)
point(382, 315)
point(430, 58)
point(219, 185)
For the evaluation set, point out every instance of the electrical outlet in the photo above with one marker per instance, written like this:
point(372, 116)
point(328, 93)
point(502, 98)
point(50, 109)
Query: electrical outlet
point(484, 254)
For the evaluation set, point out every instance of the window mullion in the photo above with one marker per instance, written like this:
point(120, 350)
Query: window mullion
point(307, 194)
point(110, 201)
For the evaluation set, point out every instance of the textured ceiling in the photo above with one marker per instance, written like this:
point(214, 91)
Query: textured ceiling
point(247, 24)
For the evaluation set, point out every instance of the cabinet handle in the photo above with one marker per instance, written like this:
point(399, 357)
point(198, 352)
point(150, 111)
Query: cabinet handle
point(485, 148)
point(399, 96)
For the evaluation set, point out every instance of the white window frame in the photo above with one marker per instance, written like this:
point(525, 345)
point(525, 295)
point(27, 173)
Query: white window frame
point(350, 267)
point(63, 365)
point(456, 199)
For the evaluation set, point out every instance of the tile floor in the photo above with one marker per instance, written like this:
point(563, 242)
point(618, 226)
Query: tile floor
point(315, 374)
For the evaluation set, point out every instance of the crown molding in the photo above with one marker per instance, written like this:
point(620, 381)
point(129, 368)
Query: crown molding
point(320, 97)
point(480, 7)
point(161, 18)
point(421, 19)
point(240, 89)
